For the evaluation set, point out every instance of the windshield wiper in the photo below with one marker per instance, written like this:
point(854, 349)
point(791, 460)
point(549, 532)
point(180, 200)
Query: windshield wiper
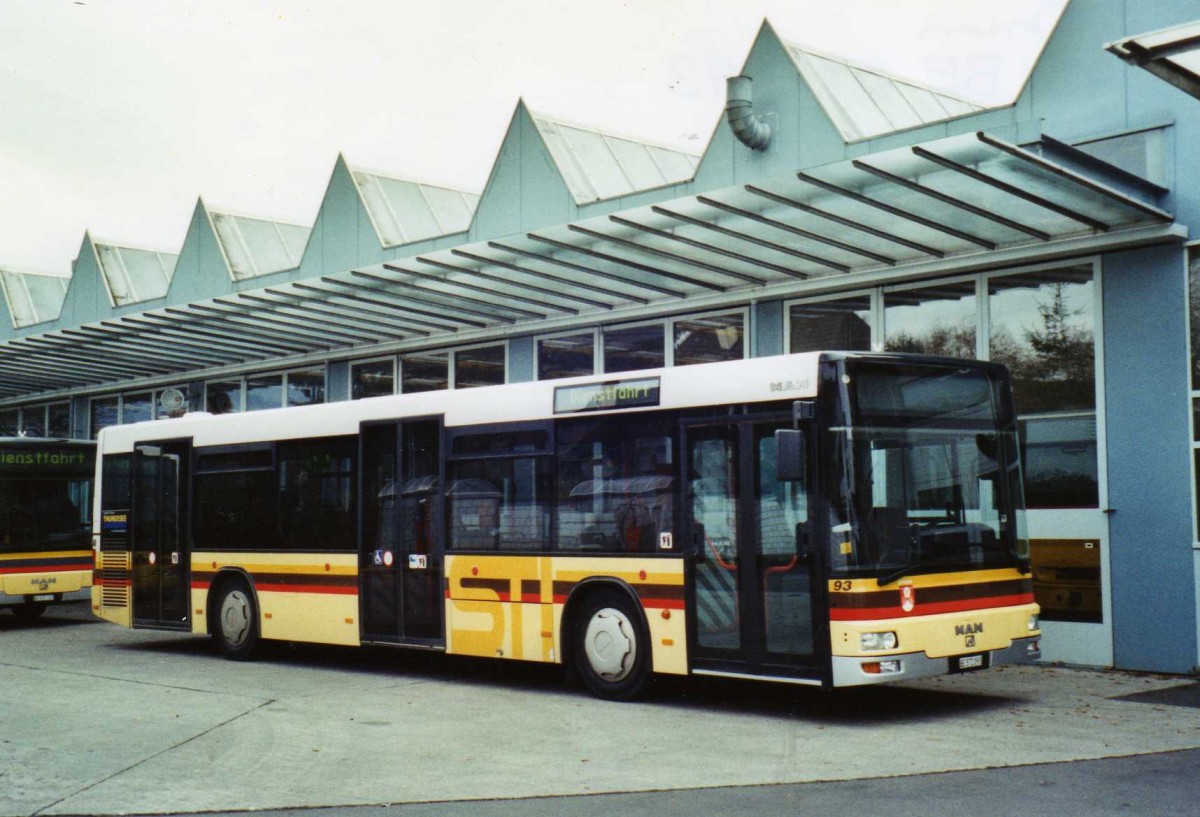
point(899, 573)
point(914, 559)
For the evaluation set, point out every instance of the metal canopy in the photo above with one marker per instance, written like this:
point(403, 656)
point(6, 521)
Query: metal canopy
point(949, 205)
point(1172, 54)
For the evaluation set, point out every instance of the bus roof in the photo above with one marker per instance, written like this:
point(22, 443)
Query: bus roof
point(753, 380)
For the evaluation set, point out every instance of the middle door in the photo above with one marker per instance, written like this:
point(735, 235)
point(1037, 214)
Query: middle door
point(400, 555)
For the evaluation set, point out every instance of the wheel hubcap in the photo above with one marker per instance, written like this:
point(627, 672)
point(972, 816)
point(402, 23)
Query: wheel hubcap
point(610, 644)
point(235, 618)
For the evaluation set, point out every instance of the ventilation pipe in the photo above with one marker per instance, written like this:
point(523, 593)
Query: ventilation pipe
point(747, 126)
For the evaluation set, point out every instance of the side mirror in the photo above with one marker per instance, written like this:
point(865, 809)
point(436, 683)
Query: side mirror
point(791, 455)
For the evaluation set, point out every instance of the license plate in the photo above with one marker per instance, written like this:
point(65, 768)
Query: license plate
point(970, 662)
point(44, 597)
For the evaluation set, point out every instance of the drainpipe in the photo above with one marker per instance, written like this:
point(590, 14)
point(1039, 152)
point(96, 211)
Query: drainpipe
point(747, 126)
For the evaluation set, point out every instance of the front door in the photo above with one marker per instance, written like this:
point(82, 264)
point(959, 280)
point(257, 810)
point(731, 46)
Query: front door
point(158, 530)
point(754, 583)
point(400, 555)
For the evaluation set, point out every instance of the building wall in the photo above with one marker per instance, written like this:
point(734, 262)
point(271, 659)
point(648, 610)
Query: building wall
point(1149, 469)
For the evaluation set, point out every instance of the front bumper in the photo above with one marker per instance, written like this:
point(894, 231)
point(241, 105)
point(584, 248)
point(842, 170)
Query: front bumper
point(849, 671)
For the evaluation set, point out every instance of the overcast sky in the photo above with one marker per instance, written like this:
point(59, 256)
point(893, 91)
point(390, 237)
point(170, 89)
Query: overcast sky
point(115, 115)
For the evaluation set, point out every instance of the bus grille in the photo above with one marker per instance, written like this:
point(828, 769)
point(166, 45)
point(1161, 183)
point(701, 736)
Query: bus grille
point(114, 578)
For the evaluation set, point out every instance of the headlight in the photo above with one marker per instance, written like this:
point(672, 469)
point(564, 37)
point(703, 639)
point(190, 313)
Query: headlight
point(873, 642)
point(1034, 622)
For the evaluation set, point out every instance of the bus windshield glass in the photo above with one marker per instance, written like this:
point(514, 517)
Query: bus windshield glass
point(45, 495)
point(926, 472)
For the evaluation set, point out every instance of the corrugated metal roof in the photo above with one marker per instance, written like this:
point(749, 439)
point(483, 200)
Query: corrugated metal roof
point(598, 166)
point(33, 297)
point(405, 211)
point(864, 103)
point(254, 247)
point(132, 275)
point(1172, 54)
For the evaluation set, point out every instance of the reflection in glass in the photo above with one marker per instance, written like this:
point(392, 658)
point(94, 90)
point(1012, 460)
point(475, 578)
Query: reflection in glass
point(424, 372)
point(10, 421)
point(373, 379)
point(615, 484)
point(633, 348)
point(137, 407)
point(306, 387)
point(712, 506)
point(781, 509)
point(1042, 329)
point(709, 339)
point(264, 392)
point(932, 320)
point(479, 367)
point(841, 325)
point(223, 396)
point(568, 356)
point(60, 419)
point(33, 421)
point(105, 412)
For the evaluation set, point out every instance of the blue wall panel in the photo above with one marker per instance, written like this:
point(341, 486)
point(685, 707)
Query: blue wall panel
point(1149, 478)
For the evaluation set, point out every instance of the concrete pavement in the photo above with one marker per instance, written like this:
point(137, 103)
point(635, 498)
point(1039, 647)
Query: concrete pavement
point(95, 719)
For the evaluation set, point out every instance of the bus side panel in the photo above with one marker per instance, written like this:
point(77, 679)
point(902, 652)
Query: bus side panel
point(512, 606)
point(310, 597)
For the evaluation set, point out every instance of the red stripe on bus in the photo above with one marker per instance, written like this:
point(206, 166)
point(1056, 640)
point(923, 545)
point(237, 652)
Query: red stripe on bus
point(965, 606)
point(44, 568)
point(292, 588)
point(308, 588)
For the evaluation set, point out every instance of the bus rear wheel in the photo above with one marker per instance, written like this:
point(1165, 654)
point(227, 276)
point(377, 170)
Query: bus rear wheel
point(235, 630)
point(29, 610)
point(611, 650)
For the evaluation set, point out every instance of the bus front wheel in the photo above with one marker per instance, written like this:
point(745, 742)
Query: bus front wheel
point(235, 631)
point(611, 651)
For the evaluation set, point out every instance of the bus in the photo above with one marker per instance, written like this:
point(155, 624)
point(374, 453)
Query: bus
point(826, 519)
point(45, 522)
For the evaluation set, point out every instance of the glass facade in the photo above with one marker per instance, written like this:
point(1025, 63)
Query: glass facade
point(709, 339)
point(566, 356)
point(374, 378)
point(1042, 329)
point(935, 320)
point(837, 325)
point(424, 372)
point(479, 367)
point(635, 347)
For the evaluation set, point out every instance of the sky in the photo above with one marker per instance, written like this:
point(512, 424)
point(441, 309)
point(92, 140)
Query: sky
point(117, 115)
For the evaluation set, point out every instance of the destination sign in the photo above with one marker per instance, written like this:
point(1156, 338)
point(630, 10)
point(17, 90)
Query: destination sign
point(616, 394)
point(34, 460)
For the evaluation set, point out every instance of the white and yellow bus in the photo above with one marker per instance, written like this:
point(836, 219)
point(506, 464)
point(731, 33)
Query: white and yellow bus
point(45, 522)
point(829, 519)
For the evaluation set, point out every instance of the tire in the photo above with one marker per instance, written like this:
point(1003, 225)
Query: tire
point(235, 621)
point(29, 611)
point(611, 648)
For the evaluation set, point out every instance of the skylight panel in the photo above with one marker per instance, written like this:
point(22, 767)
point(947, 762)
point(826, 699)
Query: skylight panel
point(32, 298)
point(133, 276)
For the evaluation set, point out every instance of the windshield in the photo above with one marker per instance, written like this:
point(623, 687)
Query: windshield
point(44, 514)
point(925, 471)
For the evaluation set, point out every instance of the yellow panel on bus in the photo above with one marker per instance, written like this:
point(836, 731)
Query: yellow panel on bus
point(301, 596)
point(512, 606)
